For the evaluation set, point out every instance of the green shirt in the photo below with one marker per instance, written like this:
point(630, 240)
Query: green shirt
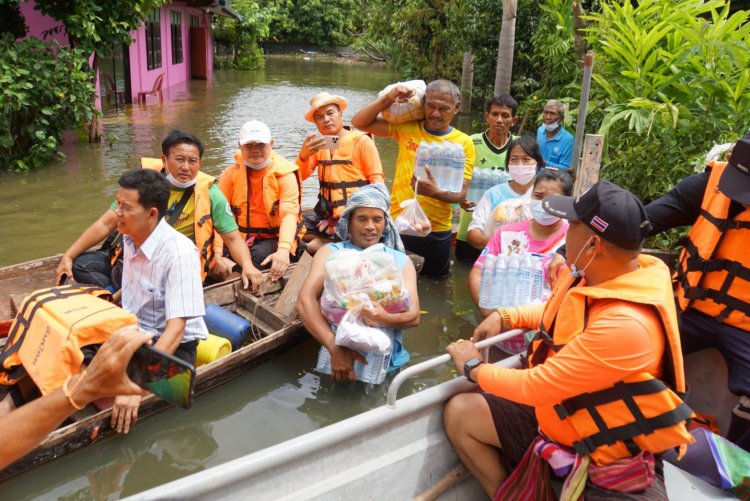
point(488, 156)
point(221, 212)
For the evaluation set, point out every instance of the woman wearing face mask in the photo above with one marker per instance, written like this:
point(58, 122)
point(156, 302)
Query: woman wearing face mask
point(507, 202)
point(543, 234)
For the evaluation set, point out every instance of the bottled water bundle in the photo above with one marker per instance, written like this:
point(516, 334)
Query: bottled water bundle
point(511, 280)
point(483, 180)
point(446, 162)
point(374, 372)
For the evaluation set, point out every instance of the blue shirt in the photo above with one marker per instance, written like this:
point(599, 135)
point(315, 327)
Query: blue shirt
point(399, 356)
point(558, 150)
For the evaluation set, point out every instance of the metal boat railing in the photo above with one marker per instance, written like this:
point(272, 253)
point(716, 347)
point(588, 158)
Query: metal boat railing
point(412, 371)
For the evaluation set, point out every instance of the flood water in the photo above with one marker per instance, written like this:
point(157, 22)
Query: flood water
point(41, 213)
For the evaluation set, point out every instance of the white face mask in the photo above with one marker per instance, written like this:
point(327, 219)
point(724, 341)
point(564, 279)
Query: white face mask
point(178, 184)
point(540, 215)
point(551, 127)
point(260, 166)
point(521, 173)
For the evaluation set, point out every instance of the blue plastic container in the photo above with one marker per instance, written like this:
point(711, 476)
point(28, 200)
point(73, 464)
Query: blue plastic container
point(226, 324)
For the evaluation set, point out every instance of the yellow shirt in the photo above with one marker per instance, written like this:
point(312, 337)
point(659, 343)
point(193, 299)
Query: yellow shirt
point(409, 135)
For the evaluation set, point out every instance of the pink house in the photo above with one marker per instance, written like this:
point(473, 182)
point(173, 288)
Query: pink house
point(173, 44)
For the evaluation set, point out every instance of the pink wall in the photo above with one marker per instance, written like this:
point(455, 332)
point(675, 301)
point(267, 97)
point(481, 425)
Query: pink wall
point(141, 78)
point(38, 23)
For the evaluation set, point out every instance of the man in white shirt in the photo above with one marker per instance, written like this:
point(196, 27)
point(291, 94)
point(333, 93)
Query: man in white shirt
point(161, 282)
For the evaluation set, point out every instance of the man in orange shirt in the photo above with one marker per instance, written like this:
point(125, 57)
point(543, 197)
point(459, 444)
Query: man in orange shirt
point(345, 159)
point(264, 194)
point(607, 334)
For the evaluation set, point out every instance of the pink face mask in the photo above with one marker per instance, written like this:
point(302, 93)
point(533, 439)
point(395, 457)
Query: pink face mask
point(522, 173)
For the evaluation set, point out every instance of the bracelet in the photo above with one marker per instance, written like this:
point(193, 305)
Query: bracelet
point(504, 319)
point(69, 392)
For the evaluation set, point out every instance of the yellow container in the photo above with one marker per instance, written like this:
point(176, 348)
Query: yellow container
point(212, 348)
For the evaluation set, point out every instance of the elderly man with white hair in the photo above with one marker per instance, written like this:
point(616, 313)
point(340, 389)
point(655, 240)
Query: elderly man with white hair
point(555, 142)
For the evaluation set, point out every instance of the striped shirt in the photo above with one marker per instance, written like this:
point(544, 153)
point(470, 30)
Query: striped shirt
point(162, 280)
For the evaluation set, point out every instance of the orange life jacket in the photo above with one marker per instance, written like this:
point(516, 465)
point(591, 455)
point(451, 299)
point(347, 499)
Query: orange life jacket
point(713, 273)
point(638, 413)
point(243, 197)
point(207, 240)
point(338, 177)
point(50, 329)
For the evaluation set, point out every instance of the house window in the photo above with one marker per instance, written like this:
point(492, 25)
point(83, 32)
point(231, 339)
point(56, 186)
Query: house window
point(176, 37)
point(195, 21)
point(153, 40)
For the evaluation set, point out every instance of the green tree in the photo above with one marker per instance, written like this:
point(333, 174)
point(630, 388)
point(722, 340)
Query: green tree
point(97, 27)
point(244, 36)
point(320, 22)
point(46, 91)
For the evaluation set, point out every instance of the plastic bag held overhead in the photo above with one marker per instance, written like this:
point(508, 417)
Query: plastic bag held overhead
point(408, 110)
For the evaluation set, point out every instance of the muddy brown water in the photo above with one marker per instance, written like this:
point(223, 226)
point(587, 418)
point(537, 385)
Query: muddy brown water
point(42, 212)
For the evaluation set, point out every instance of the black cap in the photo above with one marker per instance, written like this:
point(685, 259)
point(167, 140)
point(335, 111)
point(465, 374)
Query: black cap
point(612, 212)
point(735, 181)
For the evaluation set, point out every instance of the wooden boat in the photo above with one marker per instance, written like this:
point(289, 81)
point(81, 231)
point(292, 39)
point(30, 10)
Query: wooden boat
point(396, 451)
point(19, 279)
point(272, 332)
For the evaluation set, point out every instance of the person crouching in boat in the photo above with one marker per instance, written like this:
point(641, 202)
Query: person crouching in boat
point(263, 190)
point(601, 397)
point(196, 208)
point(345, 159)
point(364, 223)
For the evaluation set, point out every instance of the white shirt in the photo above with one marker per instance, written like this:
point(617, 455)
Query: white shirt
point(161, 281)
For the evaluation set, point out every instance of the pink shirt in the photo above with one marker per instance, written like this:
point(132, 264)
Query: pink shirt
point(516, 238)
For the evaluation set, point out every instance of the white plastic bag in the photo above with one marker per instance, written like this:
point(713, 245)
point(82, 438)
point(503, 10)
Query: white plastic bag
point(355, 277)
point(353, 333)
point(408, 110)
point(412, 220)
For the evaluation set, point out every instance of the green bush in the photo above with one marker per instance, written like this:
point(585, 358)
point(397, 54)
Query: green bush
point(46, 90)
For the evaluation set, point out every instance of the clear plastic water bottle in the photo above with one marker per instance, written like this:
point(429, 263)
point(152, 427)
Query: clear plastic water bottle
point(458, 161)
point(525, 280)
point(537, 281)
point(422, 159)
point(374, 372)
point(476, 188)
point(511, 281)
point(486, 284)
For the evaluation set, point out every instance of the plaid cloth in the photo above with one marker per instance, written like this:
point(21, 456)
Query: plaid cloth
point(374, 196)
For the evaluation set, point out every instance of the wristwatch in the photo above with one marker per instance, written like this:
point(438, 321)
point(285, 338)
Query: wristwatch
point(471, 364)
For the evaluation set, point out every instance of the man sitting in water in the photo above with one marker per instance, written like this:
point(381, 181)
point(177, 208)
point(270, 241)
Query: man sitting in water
point(343, 167)
point(615, 338)
point(197, 209)
point(364, 223)
point(442, 100)
point(264, 193)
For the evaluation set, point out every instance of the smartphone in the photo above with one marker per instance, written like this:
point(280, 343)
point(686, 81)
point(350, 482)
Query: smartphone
point(164, 375)
point(332, 142)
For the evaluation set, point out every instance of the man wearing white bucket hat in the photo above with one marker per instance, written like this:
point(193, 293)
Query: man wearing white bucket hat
point(263, 191)
point(345, 159)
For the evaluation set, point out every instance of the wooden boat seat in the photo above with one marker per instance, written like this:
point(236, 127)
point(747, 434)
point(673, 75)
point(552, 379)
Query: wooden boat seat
point(155, 90)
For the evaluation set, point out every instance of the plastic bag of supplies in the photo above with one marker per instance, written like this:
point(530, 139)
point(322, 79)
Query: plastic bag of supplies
point(407, 110)
point(353, 333)
point(413, 220)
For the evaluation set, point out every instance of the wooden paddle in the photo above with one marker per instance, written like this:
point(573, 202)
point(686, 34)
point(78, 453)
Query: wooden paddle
point(288, 298)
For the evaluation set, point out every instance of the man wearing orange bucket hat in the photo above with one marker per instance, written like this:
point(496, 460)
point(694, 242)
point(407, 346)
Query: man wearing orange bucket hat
point(345, 159)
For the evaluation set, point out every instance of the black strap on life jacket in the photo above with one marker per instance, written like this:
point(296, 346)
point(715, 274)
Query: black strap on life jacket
point(625, 433)
point(693, 262)
point(541, 344)
point(342, 186)
point(335, 162)
point(23, 320)
point(175, 210)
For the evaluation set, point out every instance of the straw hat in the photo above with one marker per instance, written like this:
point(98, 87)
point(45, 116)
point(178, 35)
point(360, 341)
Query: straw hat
point(323, 99)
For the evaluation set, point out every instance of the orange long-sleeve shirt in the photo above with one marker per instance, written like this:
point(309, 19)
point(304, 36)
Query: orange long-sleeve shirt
point(621, 338)
point(364, 156)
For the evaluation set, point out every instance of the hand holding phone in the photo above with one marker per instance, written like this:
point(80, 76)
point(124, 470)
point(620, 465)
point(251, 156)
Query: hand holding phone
point(164, 375)
point(332, 142)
